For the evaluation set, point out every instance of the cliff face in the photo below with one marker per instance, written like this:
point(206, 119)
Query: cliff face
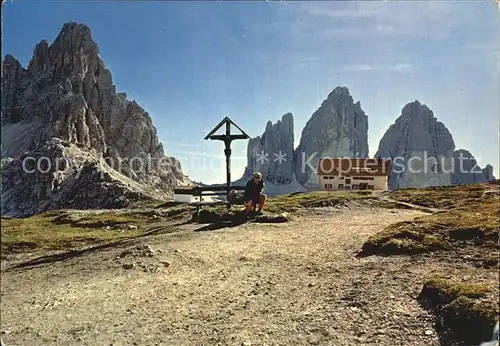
point(488, 173)
point(66, 95)
point(467, 171)
point(276, 141)
point(339, 128)
point(421, 148)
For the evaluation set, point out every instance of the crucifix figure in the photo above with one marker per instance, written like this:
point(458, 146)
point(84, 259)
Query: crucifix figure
point(227, 138)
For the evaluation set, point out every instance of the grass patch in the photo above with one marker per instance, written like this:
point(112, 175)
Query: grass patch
point(440, 292)
point(236, 216)
point(295, 201)
point(278, 208)
point(59, 229)
point(56, 230)
point(465, 309)
point(443, 197)
point(473, 226)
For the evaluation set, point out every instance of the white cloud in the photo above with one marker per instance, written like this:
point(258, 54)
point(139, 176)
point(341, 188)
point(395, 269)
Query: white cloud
point(294, 58)
point(429, 19)
point(361, 67)
point(398, 67)
point(401, 67)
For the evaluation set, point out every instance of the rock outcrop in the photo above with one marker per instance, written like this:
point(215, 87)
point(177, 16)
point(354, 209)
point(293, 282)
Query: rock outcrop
point(467, 171)
point(272, 153)
point(488, 173)
point(67, 95)
point(421, 148)
point(423, 152)
point(339, 128)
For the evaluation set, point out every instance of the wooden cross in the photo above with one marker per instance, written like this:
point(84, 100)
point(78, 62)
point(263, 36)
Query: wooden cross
point(227, 139)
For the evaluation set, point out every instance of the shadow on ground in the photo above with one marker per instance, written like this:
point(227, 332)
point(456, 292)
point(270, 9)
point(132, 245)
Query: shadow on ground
point(48, 259)
point(456, 324)
point(218, 225)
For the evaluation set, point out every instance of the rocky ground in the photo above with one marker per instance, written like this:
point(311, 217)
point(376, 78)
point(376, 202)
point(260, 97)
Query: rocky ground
point(295, 283)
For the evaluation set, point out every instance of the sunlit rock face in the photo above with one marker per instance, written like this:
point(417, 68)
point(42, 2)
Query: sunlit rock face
point(338, 128)
point(66, 95)
point(421, 148)
point(277, 142)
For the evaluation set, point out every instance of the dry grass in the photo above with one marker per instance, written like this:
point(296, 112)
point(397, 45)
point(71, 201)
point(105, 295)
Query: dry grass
point(444, 197)
point(473, 226)
point(467, 229)
point(55, 230)
point(440, 291)
point(65, 229)
point(279, 208)
point(296, 201)
point(464, 308)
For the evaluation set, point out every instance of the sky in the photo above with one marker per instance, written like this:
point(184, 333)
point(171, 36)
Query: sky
point(191, 63)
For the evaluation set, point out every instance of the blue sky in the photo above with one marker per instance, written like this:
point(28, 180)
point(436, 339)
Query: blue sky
point(189, 64)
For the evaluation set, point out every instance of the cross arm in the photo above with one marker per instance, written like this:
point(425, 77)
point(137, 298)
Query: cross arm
point(238, 137)
point(225, 137)
point(218, 137)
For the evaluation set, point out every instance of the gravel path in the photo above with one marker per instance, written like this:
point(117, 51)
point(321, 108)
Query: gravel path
point(297, 283)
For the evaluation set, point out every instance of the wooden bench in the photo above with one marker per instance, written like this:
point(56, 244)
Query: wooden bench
point(207, 191)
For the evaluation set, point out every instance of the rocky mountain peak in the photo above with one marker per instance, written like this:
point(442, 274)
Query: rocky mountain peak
point(75, 36)
point(339, 90)
point(41, 58)
point(466, 170)
point(488, 173)
point(338, 94)
point(417, 134)
point(11, 65)
point(9, 59)
point(416, 110)
point(338, 128)
point(287, 118)
point(68, 93)
point(277, 142)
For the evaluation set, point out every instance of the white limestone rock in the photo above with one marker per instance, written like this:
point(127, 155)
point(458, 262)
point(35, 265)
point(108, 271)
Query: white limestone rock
point(60, 174)
point(277, 142)
point(339, 128)
point(421, 148)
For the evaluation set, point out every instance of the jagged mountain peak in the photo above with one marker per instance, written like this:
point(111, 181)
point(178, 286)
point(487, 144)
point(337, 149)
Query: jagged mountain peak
point(10, 58)
point(68, 93)
point(416, 109)
point(277, 139)
point(339, 127)
point(338, 94)
point(73, 31)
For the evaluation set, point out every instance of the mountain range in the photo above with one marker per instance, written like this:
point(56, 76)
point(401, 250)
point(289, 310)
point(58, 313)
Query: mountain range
point(71, 140)
point(421, 147)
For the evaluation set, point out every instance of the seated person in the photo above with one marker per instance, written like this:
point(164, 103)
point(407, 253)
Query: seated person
point(253, 195)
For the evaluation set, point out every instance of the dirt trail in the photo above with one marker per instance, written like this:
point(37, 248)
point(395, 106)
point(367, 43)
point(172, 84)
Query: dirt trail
point(297, 283)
